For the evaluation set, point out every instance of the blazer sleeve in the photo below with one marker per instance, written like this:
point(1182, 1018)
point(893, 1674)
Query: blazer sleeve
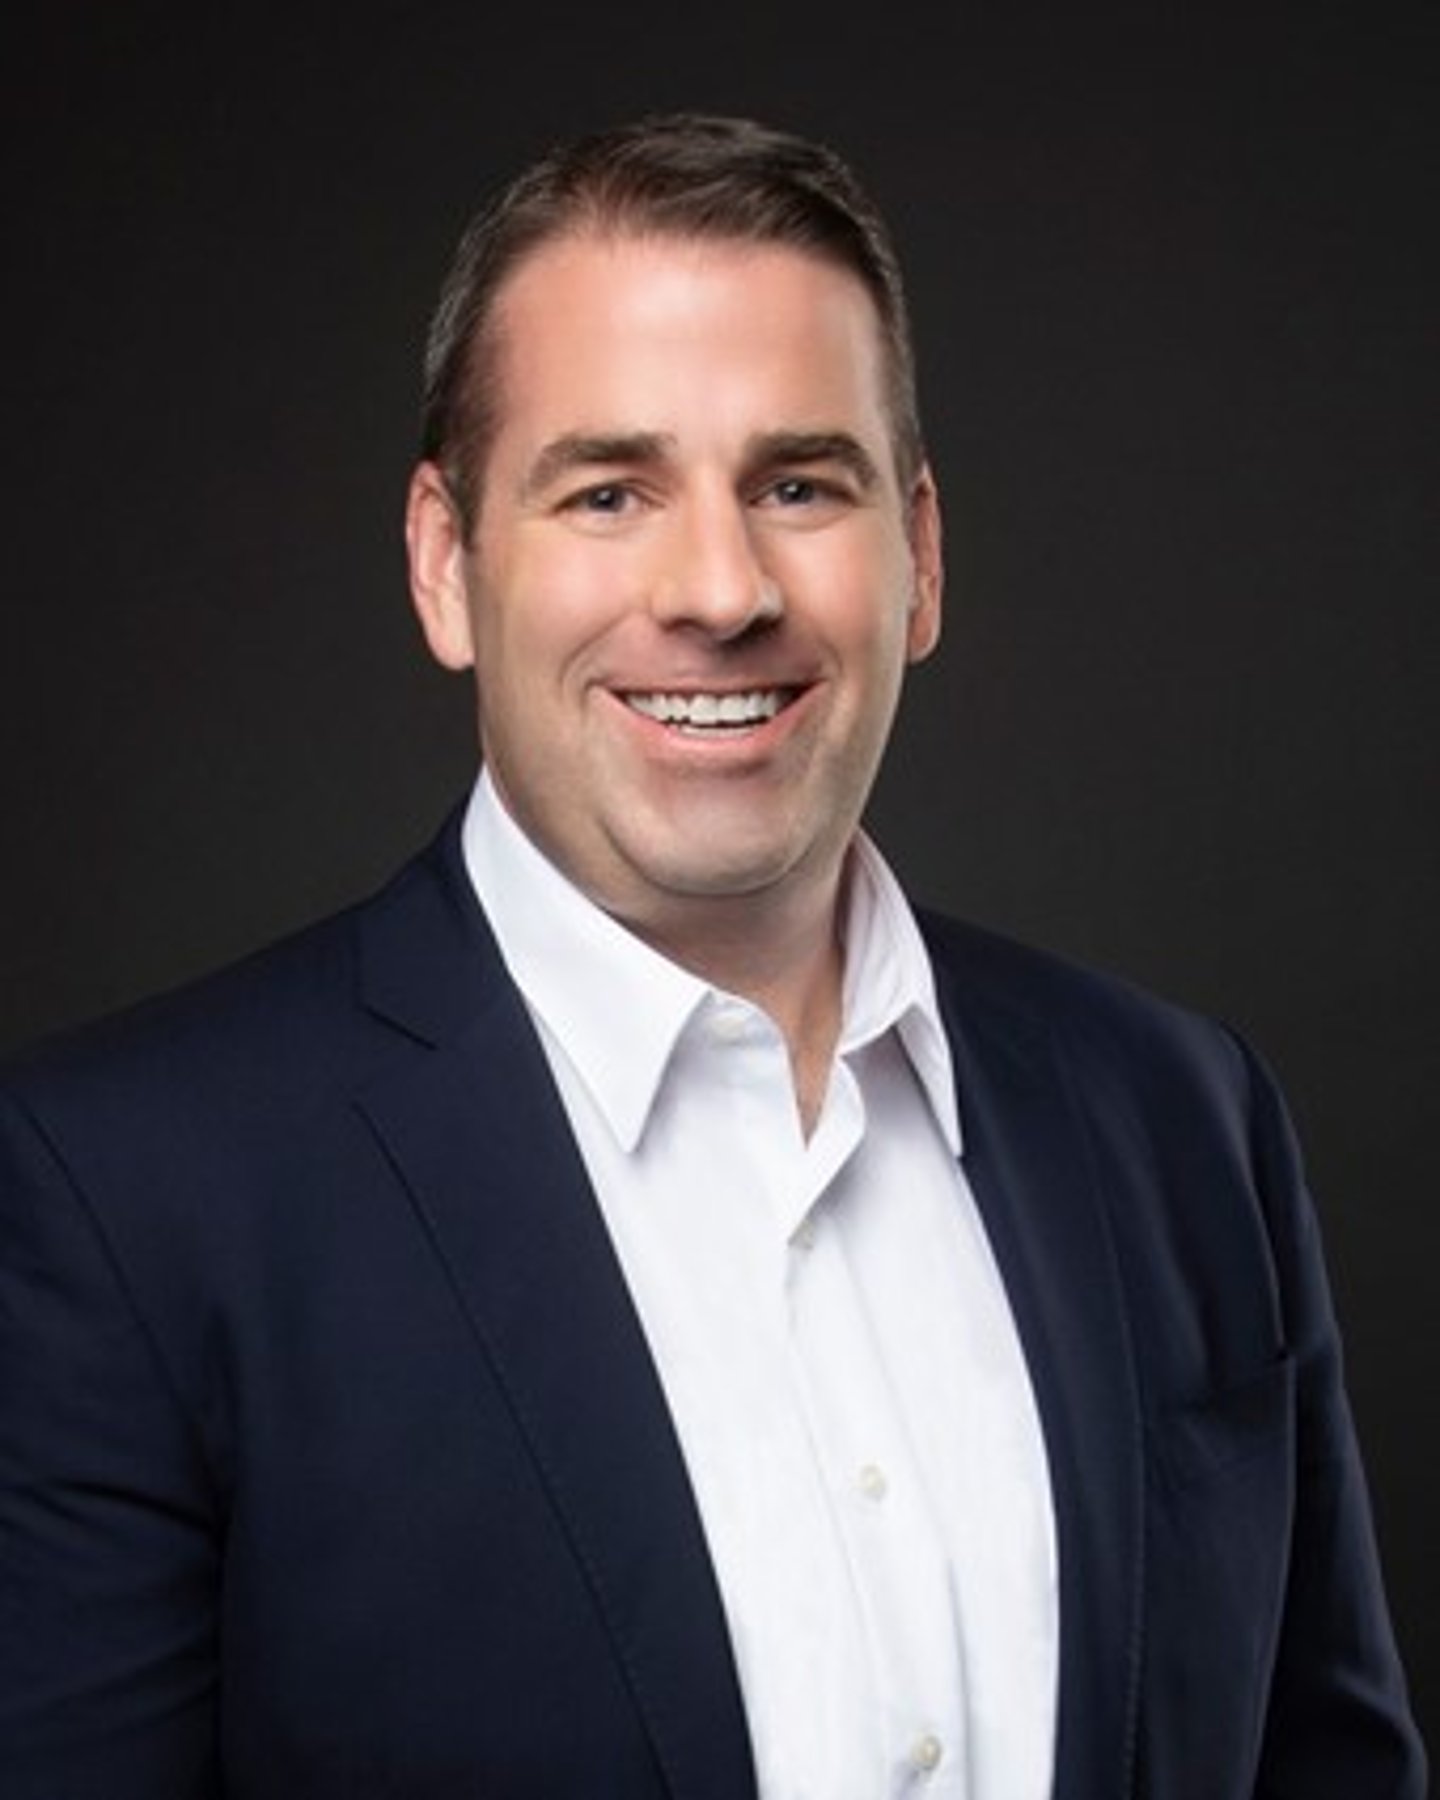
point(108, 1545)
point(1339, 1723)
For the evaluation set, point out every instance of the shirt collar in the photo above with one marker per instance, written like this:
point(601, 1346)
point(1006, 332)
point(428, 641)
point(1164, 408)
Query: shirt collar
point(617, 1008)
point(889, 982)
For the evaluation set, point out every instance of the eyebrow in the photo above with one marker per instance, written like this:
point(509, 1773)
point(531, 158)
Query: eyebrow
point(780, 448)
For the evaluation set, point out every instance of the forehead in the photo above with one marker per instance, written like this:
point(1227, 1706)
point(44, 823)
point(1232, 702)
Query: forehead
point(713, 327)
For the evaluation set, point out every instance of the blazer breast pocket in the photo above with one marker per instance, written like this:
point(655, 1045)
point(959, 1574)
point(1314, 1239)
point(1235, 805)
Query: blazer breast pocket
point(1225, 1430)
point(1219, 1509)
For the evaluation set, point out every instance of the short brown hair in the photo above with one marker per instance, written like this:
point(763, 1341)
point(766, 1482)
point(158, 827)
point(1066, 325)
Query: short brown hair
point(687, 175)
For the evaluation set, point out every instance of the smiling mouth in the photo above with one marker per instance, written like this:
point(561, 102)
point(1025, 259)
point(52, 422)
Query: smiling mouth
point(712, 714)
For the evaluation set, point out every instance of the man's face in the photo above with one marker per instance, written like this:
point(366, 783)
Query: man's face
point(694, 580)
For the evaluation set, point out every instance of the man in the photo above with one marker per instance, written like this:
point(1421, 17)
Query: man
point(627, 1311)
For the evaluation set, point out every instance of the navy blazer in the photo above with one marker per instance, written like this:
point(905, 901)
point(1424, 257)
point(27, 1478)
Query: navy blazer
point(333, 1462)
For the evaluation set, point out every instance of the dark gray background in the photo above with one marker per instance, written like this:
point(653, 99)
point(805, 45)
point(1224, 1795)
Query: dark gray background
point(1174, 286)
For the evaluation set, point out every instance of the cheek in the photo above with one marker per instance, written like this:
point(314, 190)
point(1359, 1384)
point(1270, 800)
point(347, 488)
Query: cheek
point(857, 582)
point(546, 603)
point(865, 611)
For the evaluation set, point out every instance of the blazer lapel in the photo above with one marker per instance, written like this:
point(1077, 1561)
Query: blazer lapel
point(1028, 1163)
point(480, 1139)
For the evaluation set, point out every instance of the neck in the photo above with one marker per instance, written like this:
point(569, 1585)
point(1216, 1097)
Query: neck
point(785, 958)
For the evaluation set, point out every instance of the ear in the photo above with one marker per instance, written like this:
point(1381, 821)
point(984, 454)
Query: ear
point(435, 543)
point(928, 564)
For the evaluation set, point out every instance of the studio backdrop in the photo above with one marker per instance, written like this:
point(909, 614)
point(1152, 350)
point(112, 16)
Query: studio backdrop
point(1175, 299)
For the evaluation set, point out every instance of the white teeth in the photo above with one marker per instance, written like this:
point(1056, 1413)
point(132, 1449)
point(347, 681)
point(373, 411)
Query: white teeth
point(708, 709)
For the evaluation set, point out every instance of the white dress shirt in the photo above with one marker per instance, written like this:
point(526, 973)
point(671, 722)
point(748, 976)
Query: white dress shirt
point(831, 1333)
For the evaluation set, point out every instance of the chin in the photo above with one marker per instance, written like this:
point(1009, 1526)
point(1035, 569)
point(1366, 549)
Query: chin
point(715, 873)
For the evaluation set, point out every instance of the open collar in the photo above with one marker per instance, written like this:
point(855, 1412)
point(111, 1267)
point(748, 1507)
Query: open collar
point(618, 1008)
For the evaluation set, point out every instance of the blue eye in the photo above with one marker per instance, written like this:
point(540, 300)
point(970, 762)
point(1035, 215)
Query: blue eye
point(795, 490)
point(609, 499)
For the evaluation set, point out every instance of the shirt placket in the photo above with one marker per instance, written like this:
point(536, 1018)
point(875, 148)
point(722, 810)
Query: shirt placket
point(880, 1512)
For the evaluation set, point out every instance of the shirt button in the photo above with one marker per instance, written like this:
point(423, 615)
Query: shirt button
point(872, 1482)
point(926, 1752)
point(803, 1236)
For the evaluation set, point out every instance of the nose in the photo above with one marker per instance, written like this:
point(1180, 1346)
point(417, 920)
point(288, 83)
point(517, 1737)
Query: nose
point(710, 575)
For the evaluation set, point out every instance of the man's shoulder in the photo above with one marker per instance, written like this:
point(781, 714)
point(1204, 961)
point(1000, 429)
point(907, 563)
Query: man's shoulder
point(280, 1017)
point(1035, 977)
point(1099, 1019)
point(250, 1024)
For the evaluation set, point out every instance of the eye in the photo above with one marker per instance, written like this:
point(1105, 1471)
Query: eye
point(611, 507)
point(816, 498)
point(608, 497)
point(796, 490)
